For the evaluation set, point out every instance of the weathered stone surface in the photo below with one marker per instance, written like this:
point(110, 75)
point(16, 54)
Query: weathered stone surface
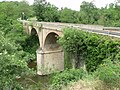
point(50, 56)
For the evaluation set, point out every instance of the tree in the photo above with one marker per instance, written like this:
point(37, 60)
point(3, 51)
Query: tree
point(88, 13)
point(13, 10)
point(45, 11)
point(39, 8)
point(24, 7)
point(68, 15)
point(109, 16)
point(51, 13)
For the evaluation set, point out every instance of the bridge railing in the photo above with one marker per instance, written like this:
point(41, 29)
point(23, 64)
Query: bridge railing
point(112, 28)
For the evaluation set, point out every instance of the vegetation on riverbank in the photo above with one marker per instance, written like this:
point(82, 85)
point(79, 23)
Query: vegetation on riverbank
point(106, 77)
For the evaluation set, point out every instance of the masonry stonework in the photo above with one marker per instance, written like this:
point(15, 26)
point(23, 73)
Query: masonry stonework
point(50, 56)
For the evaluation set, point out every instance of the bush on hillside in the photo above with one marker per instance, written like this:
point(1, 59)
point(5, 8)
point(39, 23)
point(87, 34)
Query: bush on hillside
point(109, 73)
point(67, 76)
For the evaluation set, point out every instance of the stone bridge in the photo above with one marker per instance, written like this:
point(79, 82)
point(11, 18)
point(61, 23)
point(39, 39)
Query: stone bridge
point(50, 56)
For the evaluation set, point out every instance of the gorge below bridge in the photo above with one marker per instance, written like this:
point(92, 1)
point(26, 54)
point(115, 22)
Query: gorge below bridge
point(50, 56)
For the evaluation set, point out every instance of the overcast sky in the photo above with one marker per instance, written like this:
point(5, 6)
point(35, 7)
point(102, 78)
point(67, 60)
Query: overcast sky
point(73, 4)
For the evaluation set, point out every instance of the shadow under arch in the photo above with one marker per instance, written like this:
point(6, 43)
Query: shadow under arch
point(50, 43)
point(30, 46)
point(34, 40)
point(33, 31)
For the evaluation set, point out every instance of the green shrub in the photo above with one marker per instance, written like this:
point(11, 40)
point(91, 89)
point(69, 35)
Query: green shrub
point(109, 73)
point(67, 76)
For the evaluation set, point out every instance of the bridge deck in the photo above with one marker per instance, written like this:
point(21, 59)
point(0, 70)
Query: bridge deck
point(111, 31)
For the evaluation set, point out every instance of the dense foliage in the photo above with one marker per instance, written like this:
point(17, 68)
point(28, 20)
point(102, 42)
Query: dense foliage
point(44, 11)
point(89, 48)
point(11, 27)
point(68, 16)
point(106, 77)
point(13, 58)
point(88, 14)
point(12, 64)
point(62, 79)
point(14, 10)
point(109, 73)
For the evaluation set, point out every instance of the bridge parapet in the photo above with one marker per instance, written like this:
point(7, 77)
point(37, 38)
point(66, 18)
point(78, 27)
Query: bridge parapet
point(33, 24)
point(60, 26)
point(112, 28)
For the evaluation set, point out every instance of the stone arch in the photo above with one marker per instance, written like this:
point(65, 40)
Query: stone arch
point(35, 33)
point(34, 44)
point(50, 43)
